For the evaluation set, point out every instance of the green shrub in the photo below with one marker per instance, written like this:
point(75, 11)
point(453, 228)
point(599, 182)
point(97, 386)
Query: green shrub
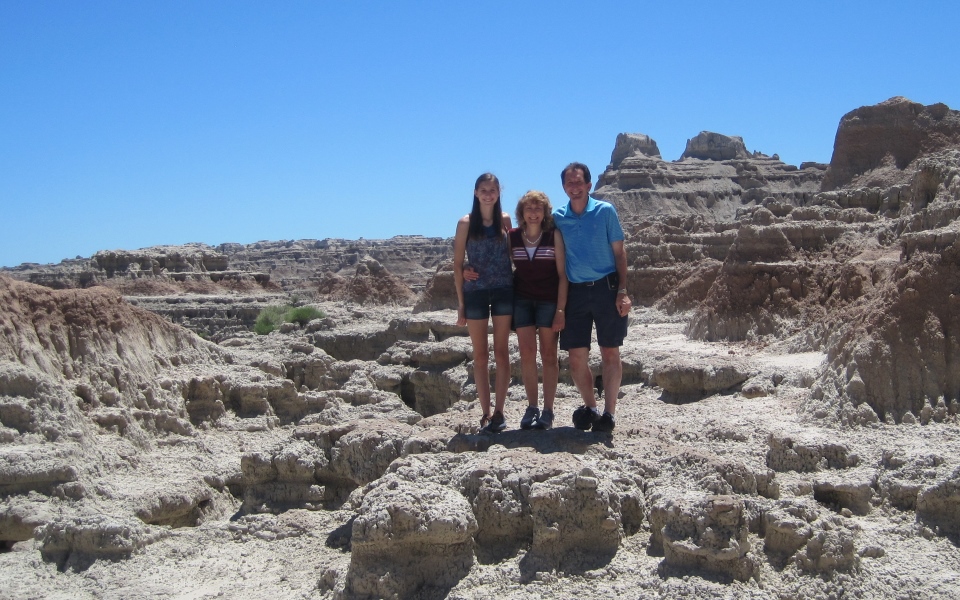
point(269, 319)
point(303, 315)
point(272, 316)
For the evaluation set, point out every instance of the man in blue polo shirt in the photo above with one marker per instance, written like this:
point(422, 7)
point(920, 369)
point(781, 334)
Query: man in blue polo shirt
point(596, 264)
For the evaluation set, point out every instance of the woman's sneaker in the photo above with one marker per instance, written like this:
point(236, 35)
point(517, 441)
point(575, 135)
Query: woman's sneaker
point(496, 424)
point(584, 417)
point(546, 419)
point(529, 420)
point(605, 424)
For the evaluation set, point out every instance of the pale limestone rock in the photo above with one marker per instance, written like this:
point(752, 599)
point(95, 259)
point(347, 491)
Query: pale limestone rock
point(706, 532)
point(78, 542)
point(410, 538)
point(789, 452)
point(576, 522)
point(938, 505)
point(687, 379)
point(904, 475)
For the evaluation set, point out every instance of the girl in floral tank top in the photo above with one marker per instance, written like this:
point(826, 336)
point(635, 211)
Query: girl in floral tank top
point(485, 292)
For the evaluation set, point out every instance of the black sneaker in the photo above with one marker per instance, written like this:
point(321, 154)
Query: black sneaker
point(605, 424)
point(546, 419)
point(496, 424)
point(584, 417)
point(530, 418)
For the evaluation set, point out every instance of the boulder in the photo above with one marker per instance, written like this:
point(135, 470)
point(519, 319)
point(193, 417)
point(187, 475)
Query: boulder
point(691, 379)
point(703, 533)
point(77, 542)
point(576, 524)
point(410, 540)
point(807, 453)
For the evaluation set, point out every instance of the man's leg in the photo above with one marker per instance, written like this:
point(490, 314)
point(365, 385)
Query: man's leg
point(612, 369)
point(582, 377)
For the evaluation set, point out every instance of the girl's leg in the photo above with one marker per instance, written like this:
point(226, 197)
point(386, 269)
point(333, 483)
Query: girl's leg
point(481, 362)
point(501, 354)
point(551, 369)
point(527, 340)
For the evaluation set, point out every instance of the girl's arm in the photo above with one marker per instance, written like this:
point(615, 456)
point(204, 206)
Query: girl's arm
point(459, 254)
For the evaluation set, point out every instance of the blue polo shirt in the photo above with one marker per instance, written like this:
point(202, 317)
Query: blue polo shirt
point(587, 238)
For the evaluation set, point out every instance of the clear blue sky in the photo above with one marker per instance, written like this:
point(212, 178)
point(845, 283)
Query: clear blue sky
point(136, 123)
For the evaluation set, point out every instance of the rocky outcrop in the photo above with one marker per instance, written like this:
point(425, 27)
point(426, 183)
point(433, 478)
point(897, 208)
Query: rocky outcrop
point(876, 143)
point(370, 284)
point(714, 146)
point(629, 144)
point(715, 178)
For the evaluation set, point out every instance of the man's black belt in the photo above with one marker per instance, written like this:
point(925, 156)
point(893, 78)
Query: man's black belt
point(610, 280)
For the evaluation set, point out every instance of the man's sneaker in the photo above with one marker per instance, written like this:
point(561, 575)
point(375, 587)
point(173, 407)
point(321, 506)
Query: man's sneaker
point(546, 419)
point(496, 424)
point(605, 424)
point(584, 417)
point(530, 417)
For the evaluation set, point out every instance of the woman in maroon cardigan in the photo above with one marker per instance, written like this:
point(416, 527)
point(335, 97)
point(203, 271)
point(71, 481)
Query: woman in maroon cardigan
point(540, 296)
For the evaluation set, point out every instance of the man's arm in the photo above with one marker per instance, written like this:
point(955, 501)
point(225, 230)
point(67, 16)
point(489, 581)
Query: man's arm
point(620, 256)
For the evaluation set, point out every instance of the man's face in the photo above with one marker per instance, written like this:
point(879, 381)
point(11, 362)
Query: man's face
point(576, 188)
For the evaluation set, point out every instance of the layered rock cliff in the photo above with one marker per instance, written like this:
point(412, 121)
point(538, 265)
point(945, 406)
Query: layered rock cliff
point(289, 266)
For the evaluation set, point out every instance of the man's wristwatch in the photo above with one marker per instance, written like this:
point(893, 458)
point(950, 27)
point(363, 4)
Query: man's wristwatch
point(622, 291)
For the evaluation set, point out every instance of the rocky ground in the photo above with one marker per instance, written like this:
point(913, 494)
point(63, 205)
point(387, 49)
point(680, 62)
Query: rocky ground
point(788, 425)
point(210, 482)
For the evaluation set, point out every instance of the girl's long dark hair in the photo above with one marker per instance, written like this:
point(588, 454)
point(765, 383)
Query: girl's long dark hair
point(475, 232)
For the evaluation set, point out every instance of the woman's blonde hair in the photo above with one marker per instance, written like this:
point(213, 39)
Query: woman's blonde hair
point(536, 197)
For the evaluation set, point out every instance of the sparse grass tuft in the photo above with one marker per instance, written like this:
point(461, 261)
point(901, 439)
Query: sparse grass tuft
point(272, 317)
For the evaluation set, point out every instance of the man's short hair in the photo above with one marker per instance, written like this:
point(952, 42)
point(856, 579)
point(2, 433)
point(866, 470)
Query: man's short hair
point(575, 165)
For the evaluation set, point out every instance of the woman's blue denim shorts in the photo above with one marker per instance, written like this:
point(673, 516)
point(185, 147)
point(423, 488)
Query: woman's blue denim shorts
point(480, 304)
point(529, 313)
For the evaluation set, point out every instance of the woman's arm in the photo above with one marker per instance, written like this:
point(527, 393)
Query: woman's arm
point(559, 318)
point(459, 254)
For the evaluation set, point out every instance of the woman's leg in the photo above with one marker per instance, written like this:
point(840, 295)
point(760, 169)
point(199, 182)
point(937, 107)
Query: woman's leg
point(527, 340)
point(481, 361)
point(501, 355)
point(551, 369)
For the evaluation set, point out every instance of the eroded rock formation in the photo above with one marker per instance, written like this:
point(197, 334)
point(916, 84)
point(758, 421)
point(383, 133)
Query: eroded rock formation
point(787, 425)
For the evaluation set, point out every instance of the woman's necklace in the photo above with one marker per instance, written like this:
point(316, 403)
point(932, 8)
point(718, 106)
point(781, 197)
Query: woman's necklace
point(532, 242)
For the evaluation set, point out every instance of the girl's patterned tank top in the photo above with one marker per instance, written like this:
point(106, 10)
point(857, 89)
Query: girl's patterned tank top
point(490, 257)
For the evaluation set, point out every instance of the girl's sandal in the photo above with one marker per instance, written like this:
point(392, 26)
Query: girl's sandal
point(484, 420)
